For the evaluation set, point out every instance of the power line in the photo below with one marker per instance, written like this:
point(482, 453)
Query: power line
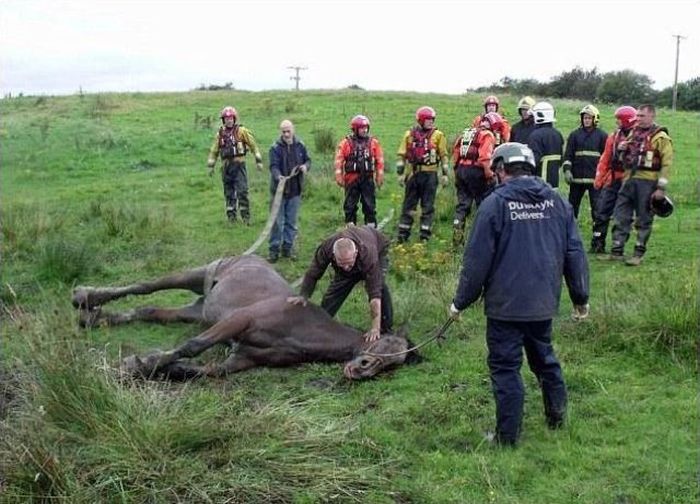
point(296, 77)
point(675, 80)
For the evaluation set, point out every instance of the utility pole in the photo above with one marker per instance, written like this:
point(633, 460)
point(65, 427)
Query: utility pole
point(296, 76)
point(675, 80)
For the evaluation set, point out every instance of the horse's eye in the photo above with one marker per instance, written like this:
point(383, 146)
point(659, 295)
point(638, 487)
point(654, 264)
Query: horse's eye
point(364, 363)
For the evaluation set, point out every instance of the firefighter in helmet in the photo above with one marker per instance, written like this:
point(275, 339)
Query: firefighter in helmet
point(423, 151)
point(647, 159)
point(231, 143)
point(359, 165)
point(608, 176)
point(471, 158)
point(492, 104)
point(520, 132)
point(547, 143)
point(583, 150)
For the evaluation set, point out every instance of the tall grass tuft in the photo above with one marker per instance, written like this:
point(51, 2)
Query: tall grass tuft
point(23, 226)
point(324, 140)
point(82, 435)
point(59, 260)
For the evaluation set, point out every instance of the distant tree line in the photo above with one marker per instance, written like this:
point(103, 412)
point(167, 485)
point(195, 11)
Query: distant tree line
point(624, 86)
point(215, 87)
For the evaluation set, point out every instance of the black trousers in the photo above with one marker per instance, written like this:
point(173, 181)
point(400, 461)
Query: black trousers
point(361, 190)
point(340, 288)
point(604, 207)
point(576, 194)
point(505, 341)
point(471, 188)
point(235, 179)
point(420, 187)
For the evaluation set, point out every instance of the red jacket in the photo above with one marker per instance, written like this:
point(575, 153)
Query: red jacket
point(343, 154)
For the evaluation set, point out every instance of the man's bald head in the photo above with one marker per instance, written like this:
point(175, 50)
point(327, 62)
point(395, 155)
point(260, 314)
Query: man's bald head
point(345, 253)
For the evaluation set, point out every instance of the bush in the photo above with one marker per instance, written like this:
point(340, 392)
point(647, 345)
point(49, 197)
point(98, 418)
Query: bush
point(324, 140)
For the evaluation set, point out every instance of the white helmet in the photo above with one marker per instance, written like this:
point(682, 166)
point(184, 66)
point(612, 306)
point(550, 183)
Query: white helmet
point(543, 112)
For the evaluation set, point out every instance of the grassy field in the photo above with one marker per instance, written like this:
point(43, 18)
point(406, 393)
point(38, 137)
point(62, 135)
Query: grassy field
point(109, 189)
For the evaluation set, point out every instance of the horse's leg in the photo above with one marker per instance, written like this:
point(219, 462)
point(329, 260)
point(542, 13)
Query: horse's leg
point(100, 317)
point(180, 371)
point(231, 328)
point(245, 357)
point(89, 297)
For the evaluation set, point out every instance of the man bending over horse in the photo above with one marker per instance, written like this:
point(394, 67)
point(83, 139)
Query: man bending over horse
point(356, 253)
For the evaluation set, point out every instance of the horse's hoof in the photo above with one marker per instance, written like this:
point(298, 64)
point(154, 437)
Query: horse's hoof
point(81, 298)
point(89, 318)
point(132, 366)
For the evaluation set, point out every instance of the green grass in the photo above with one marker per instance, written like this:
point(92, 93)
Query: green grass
point(109, 189)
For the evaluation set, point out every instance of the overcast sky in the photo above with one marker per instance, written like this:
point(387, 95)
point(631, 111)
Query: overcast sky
point(56, 47)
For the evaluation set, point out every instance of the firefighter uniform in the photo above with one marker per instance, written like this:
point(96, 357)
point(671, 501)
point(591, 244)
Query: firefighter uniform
point(647, 158)
point(608, 180)
point(359, 161)
point(471, 157)
point(583, 150)
point(232, 144)
point(421, 153)
point(547, 145)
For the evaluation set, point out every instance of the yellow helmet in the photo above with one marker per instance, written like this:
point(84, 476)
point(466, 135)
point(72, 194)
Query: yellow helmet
point(591, 111)
point(526, 103)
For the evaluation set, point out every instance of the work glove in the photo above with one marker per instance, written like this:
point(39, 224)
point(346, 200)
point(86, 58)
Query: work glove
point(211, 162)
point(302, 168)
point(259, 165)
point(297, 300)
point(568, 177)
point(454, 312)
point(444, 180)
point(580, 312)
point(402, 180)
point(372, 335)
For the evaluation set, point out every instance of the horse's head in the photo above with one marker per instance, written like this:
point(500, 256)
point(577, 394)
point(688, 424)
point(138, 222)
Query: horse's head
point(387, 352)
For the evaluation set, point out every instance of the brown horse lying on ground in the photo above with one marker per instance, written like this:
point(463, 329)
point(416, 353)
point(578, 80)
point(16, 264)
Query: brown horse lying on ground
point(244, 302)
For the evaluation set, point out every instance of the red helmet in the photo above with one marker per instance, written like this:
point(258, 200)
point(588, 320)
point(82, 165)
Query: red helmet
point(494, 119)
point(359, 121)
point(491, 100)
point(229, 112)
point(627, 116)
point(424, 113)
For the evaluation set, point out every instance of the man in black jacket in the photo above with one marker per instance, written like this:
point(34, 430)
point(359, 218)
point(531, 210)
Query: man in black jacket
point(546, 143)
point(583, 150)
point(523, 240)
point(522, 129)
point(286, 154)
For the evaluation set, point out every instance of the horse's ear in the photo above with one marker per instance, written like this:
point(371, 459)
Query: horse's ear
point(413, 357)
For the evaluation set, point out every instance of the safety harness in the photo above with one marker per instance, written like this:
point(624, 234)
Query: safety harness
point(230, 145)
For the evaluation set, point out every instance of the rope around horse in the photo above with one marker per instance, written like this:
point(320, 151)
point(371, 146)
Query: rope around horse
point(438, 336)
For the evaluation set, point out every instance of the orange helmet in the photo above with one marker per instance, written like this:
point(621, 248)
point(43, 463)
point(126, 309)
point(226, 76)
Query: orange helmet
point(229, 112)
point(627, 116)
point(424, 113)
point(494, 119)
point(491, 100)
point(359, 121)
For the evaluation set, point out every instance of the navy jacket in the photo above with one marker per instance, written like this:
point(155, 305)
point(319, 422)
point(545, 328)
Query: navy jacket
point(521, 130)
point(583, 150)
point(547, 145)
point(283, 159)
point(523, 240)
